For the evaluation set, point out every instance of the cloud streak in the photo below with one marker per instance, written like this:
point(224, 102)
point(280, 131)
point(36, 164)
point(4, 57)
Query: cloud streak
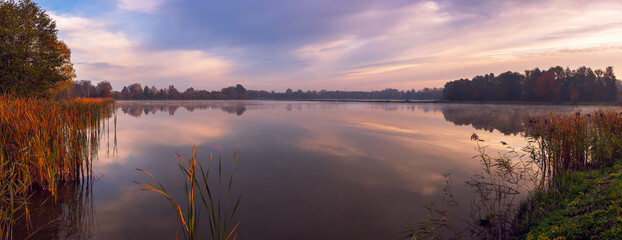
point(102, 54)
point(366, 44)
point(145, 6)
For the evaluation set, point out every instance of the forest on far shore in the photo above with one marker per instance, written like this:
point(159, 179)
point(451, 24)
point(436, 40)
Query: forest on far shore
point(553, 85)
point(557, 84)
point(135, 91)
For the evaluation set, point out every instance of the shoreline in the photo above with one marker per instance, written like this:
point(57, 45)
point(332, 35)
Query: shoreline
point(398, 101)
point(586, 204)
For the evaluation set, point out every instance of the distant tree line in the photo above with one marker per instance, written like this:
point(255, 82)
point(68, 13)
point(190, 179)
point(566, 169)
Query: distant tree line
point(389, 93)
point(137, 92)
point(555, 85)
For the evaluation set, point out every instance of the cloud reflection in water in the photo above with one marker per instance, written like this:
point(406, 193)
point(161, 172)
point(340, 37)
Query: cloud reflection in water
point(306, 170)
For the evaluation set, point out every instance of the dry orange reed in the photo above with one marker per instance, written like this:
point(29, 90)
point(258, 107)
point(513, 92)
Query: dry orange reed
point(50, 141)
point(575, 142)
point(44, 143)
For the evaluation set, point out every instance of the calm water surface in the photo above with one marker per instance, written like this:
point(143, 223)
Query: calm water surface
point(305, 170)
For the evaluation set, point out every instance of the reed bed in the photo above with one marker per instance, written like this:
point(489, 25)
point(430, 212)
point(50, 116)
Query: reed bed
point(574, 142)
point(44, 144)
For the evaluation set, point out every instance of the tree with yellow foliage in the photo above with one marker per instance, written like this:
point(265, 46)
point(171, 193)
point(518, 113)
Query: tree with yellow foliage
point(62, 89)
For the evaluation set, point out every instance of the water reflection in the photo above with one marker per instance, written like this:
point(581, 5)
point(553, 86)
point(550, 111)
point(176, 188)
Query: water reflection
point(69, 215)
point(350, 170)
point(138, 108)
point(305, 170)
point(507, 119)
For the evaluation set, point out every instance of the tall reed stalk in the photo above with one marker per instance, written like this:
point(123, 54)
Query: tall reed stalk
point(44, 144)
point(12, 203)
point(198, 192)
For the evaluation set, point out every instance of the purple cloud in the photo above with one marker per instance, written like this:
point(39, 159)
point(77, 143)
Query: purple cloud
point(366, 44)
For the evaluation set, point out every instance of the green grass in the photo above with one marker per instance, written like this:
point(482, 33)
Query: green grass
point(584, 205)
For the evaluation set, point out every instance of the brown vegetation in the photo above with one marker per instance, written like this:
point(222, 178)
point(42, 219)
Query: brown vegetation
point(44, 143)
point(575, 142)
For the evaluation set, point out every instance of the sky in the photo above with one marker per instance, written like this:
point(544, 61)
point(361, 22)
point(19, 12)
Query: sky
point(330, 44)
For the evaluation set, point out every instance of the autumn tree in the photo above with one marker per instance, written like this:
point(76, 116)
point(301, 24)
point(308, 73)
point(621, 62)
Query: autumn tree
point(104, 89)
point(173, 93)
point(240, 91)
point(62, 88)
point(83, 88)
point(147, 92)
point(546, 88)
point(555, 84)
point(609, 73)
point(33, 59)
point(125, 93)
point(136, 91)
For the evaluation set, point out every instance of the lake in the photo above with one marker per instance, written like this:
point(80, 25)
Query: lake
point(304, 170)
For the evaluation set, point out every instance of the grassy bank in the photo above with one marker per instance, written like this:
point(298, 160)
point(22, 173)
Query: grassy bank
point(574, 182)
point(580, 190)
point(44, 144)
point(584, 205)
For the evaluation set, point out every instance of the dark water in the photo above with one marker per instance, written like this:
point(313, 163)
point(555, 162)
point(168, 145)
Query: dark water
point(305, 170)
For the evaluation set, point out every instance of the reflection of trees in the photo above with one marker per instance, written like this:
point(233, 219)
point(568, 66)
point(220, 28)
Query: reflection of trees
point(507, 119)
point(69, 215)
point(238, 110)
point(136, 109)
